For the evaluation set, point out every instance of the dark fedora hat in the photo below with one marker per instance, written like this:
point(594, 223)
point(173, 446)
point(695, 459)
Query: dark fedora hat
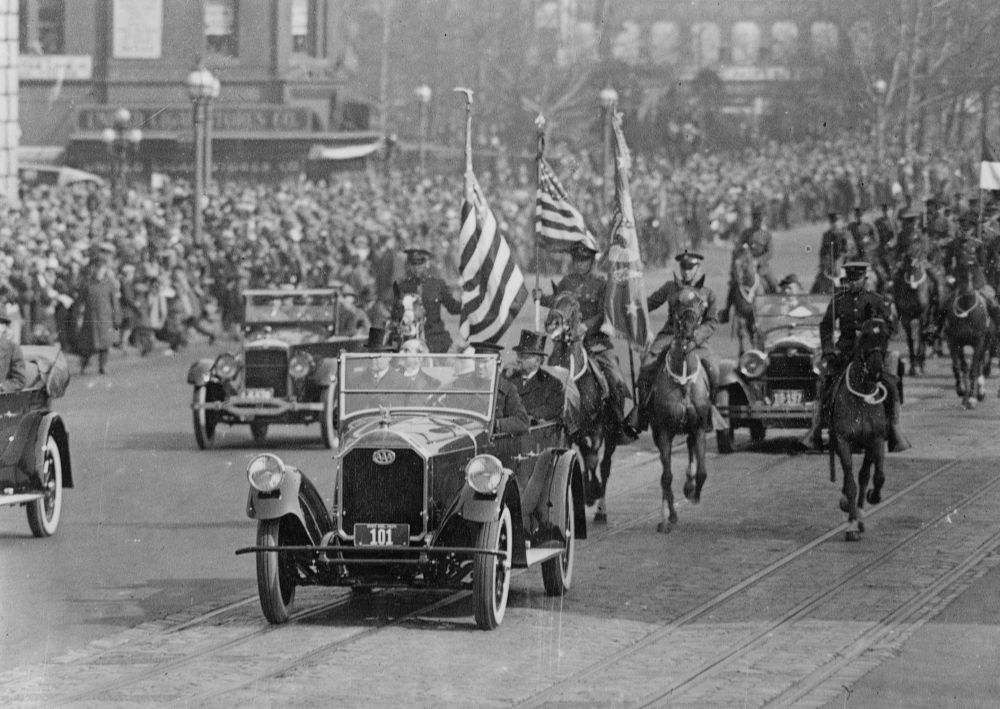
point(531, 343)
point(582, 250)
point(380, 340)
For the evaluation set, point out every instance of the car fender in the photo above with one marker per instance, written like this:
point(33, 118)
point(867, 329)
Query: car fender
point(475, 507)
point(325, 373)
point(296, 496)
point(27, 442)
point(200, 372)
point(728, 373)
point(567, 470)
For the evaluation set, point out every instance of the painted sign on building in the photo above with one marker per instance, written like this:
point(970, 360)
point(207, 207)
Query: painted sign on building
point(54, 67)
point(137, 29)
point(177, 119)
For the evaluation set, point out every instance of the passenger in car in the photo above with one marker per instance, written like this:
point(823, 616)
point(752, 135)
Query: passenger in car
point(13, 370)
point(383, 376)
point(414, 377)
point(541, 393)
point(509, 414)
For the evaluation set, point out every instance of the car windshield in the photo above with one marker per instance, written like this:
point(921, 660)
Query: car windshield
point(789, 311)
point(373, 383)
point(276, 306)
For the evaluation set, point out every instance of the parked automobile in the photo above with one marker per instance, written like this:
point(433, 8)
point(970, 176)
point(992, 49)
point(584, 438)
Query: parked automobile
point(55, 175)
point(35, 463)
point(284, 372)
point(423, 491)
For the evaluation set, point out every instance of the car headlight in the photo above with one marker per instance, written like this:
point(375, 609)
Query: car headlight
point(300, 365)
point(819, 364)
point(753, 363)
point(225, 366)
point(265, 472)
point(484, 473)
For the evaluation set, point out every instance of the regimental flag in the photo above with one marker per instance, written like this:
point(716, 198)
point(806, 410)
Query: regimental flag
point(559, 226)
point(989, 169)
point(493, 289)
point(625, 303)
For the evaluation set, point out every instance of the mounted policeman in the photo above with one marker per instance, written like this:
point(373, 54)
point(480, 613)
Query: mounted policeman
point(757, 238)
point(434, 294)
point(851, 306)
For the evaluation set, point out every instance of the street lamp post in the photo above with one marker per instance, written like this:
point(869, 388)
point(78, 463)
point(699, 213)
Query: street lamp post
point(118, 138)
point(608, 98)
point(202, 88)
point(423, 93)
point(880, 88)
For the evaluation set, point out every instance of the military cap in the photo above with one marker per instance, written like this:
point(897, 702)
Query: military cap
point(531, 343)
point(688, 259)
point(582, 250)
point(853, 270)
point(417, 256)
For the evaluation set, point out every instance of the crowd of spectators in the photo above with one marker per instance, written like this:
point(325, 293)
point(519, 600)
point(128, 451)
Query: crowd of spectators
point(62, 249)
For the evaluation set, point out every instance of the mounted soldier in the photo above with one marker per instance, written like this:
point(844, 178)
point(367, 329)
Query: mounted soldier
point(590, 290)
point(692, 278)
point(757, 239)
point(850, 307)
point(867, 248)
point(966, 250)
point(434, 294)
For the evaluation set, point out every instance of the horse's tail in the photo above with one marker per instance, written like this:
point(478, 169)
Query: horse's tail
point(833, 461)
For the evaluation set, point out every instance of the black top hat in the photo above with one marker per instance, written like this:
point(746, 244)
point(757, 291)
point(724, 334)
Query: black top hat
point(486, 347)
point(417, 256)
point(582, 250)
point(687, 259)
point(854, 270)
point(380, 340)
point(531, 343)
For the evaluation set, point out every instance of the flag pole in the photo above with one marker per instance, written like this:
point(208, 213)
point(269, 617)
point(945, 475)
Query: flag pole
point(540, 150)
point(468, 126)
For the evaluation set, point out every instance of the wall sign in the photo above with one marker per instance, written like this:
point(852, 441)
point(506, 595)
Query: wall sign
point(54, 67)
point(258, 118)
point(137, 29)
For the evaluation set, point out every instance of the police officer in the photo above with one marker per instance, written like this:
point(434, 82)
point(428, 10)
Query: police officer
point(757, 238)
point(690, 276)
point(434, 294)
point(866, 247)
point(849, 309)
point(590, 290)
point(966, 250)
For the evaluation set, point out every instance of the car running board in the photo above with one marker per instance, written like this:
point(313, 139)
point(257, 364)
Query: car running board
point(20, 499)
point(537, 556)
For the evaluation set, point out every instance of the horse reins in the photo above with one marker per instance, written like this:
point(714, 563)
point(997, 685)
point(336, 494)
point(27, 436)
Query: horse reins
point(683, 378)
point(874, 398)
point(749, 293)
point(965, 313)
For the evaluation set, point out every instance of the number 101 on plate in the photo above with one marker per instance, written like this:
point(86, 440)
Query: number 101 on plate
point(381, 535)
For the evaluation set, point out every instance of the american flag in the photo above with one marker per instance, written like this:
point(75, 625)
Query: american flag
point(493, 289)
point(625, 303)
point(558, 224)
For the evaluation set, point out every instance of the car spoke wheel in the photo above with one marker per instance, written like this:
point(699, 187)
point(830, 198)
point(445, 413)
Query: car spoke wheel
point(557, 573)
point(328, 424)
point(491, 573)
point(275, 574)
point(204, 420)
point(43, 514)
point(258, 429)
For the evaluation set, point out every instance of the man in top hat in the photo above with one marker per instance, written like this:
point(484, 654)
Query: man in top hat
point(849, 309)
point(509, 415)
point(757, 238)
point(589, 289)
point(690, 277)
point(434, 295)
point(13, 370)
point(541, 393)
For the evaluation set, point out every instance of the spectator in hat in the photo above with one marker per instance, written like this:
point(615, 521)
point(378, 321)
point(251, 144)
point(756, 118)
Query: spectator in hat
point(13, 371)
point(352, 321)
point(101, 314)
point(541, 393)
point(434, 295)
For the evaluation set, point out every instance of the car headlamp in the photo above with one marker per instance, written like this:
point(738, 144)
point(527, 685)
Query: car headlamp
point(753, 363)
point(300, 365)
point(265, 472)
point(225, 366)
point(484, 473)
point(820, 365)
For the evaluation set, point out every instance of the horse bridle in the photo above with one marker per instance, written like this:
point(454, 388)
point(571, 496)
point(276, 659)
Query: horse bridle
point(874, 398)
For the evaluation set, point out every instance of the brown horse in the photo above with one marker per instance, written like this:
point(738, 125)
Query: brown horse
point(598, 434)
point(912, 295)
point(968, 324)
point(681, 405)
point(858, 422)
point(748, 286)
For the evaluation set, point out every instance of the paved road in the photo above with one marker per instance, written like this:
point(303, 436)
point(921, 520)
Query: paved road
point(753, 599)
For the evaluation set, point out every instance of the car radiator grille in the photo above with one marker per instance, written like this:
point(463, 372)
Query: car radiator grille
point(391, 493)
point(791, 372)
point(267, 369)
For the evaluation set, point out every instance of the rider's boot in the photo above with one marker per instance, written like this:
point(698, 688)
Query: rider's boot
point(814, 435)
point(896, 440)
point(639, 421)
point(723, 315)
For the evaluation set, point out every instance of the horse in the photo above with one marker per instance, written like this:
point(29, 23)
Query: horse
point(967, 324)
point(406, 316)
point(911, 293)
point(681, 405)
point(858, 421)
point(748, 286)
point(599, 433)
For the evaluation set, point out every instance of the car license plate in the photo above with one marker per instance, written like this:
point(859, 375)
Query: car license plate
point(787, 397)
point(259, 393)
point(381, 535)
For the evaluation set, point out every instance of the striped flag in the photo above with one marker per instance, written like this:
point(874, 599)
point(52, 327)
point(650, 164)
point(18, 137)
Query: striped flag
point(989, 169)
point(493, 289)
point(559, 226)
point(625, 303)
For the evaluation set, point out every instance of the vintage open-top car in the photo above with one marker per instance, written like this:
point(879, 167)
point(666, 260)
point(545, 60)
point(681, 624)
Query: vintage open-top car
point(422, 492)
point(285, 373)
point(34, 462)
point(774, 384)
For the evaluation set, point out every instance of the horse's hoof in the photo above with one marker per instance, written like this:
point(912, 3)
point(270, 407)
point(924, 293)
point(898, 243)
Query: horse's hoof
point(845, 504)
point(664, 528)
point(694, 498)
point(861, 526)
point(601, 517)
point(851, 536)
point(969, 404)
point(874, 497)
point(980, 396)
point(688, 488)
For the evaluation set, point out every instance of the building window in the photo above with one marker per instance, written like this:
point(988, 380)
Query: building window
point(220, 27)
point(746, 43)
point(786, 36)
point(706, 43)
point(825, 39)
point(42, 26)
point(664, 43)
point(305, 25)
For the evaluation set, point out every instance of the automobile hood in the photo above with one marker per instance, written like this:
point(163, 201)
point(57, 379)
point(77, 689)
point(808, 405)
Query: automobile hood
point(806, 338)
point(429, 435)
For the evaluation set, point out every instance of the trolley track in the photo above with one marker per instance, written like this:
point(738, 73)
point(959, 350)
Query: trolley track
point(642, 460)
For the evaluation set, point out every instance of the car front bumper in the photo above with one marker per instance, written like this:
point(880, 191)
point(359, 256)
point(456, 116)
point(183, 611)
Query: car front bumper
point(799, 416)
point(246, 410)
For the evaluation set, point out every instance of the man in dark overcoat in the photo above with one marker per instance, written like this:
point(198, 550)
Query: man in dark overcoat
point(541, 393)
point(434, 294)
point(101, 313)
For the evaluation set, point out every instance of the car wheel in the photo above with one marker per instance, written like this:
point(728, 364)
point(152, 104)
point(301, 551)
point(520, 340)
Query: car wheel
point(328, 424)
point(204, 421)
point(43, 514)
point(758, 432)
point(258, 429)
point(557, 573)
point(724, 437)
point(275, 574)
point(491, 573)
